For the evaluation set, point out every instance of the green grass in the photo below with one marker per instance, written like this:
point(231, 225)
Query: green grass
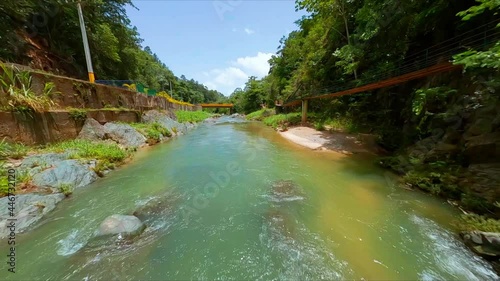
point(341, 124)
point(4, 182)
point(469, 222)
point(191, 116)
point(12, 150)
point(66, 189)
point(152, 131)
point(259, 115)
point(85, 149)
point(281, 120)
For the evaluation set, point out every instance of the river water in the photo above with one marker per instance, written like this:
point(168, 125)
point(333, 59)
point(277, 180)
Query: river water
point(220, 219)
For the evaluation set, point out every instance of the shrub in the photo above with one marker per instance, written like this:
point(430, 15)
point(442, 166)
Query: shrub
point(66, 189)
point(20, 95)
point(191, 116)
point(85, 149)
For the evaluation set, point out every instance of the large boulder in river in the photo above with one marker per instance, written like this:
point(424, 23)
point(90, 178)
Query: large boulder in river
point(485, 244)
point(128, 226)
point(124, 134)
point(65, 172)
point(29, 209)
point(92, 130)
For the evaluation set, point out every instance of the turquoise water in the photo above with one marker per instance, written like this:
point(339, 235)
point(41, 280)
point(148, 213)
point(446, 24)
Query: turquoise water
point(221, 220)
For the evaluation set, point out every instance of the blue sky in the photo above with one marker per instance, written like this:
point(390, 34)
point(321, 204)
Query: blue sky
point(219, 43)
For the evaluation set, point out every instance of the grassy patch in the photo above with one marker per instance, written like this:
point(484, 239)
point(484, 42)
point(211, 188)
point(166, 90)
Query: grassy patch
point(469, 222)
point(283, 120)
point(103, 165)
point(77, 114)
point(12, 150)
point(191, 116)
point(341, 124)
point(152, 131)
point(85, 149)
point(4, 182)
point(259, 115)
point(66, 189)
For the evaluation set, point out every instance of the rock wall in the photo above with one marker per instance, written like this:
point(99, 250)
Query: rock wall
point(54, 126)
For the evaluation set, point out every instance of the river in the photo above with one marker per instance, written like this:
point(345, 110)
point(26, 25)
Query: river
point(347, 220)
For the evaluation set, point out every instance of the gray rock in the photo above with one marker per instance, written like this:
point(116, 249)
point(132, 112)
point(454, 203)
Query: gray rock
point(166, 121)
point(124, 134)
point(29, 209)
point(484, 148)
point(92, 130)
point(42, 160)
point(65, 172)
point(128, 226)
point(485, 244)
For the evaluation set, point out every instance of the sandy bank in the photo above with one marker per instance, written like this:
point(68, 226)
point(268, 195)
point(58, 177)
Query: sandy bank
point(332, 141)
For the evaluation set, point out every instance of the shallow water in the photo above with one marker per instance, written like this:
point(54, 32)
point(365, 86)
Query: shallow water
point(345, 219)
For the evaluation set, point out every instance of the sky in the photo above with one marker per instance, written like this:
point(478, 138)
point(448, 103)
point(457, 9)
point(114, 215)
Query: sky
point(219, 43)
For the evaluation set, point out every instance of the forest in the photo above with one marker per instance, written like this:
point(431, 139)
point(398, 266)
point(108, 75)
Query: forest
point(442, 132)
point(45, 35)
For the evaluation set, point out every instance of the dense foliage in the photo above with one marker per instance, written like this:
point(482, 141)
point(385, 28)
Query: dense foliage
point(45, 34)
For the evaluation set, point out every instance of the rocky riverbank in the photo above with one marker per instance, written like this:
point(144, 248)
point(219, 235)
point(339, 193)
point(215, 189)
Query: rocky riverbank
point(49, 177)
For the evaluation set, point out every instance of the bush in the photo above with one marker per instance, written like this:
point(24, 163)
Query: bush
point(20, 95)
point(191, 116)
point(66, 189)
point(85, 149)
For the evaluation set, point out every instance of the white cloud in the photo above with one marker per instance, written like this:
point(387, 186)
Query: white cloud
point(227, 79)
point(257, 65)
point(249, 31)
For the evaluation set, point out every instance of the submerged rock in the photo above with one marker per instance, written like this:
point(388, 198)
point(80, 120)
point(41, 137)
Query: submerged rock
point(65, 172)
point(286, 190)
point(154, 208)
point(485, 244)
point(29, 209)
point(125, 135)
point(128, 226)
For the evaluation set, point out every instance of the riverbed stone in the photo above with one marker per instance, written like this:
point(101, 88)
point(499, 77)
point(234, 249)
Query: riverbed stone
point(65, 172)
point(92, 130)
point(129, 226)
point(124, 134)
point(29, 209)
point(485, 244)
point(285, 190)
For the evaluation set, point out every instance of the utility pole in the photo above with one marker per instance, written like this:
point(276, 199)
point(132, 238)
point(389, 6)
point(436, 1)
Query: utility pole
point(86, 44)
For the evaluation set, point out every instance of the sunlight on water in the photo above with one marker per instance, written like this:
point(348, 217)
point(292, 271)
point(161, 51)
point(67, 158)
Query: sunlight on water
point(236, 201)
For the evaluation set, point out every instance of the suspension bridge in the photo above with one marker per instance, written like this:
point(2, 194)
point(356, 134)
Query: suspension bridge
point(431, 61)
